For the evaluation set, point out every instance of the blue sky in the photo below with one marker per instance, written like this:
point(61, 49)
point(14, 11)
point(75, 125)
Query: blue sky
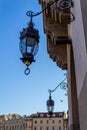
point(20, 93)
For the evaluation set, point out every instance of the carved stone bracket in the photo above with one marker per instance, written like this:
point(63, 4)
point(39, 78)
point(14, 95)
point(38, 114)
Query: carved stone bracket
point(56, 29)
point(58, 52)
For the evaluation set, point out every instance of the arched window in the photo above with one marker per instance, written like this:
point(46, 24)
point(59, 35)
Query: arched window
point(35, 121)
point(41, 121)
point(53, 128)
point(53, 121)
point(59, 128)
point(59, 121)
point(35, 128)
point(47, 121)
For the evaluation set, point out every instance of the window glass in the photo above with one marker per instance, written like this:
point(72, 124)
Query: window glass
point(47, 121)
point(53, 121)
point(35, 128)
point(53, 115)
point(47, 128)
point(41, 115)
point(59, 121)
point(53, 128)
point(35, 121)
point(41, 121)
point(40, 128)
point(59, 128)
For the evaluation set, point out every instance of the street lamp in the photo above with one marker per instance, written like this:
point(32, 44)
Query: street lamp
point(29, 37)
point(50, 102)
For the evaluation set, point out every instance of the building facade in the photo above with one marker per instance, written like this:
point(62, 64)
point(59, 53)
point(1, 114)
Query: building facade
point(38, 121)
point(65, 26)
point(12, 122)
point(42, 121)
point(28, 123)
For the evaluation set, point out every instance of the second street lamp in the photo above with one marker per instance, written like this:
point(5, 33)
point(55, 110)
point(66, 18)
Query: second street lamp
point(50, 102)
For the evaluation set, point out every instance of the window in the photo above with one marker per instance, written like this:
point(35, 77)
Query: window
point(41, 115)
point(47, 121)
point(47, 128)
point(60, 114)
point(59, 121)
point(26, 125)
point(48, 115)
point(53, 128)
point(59, 128)
point(35, 128)
point(35, 122)
point(53, 121)
point(40, 128)
point(53, 115)
point(41, 121)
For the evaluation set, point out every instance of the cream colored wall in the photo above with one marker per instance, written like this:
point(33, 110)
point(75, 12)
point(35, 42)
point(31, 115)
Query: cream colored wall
point(14, 125)
point(28, 124)
point(12, 122)
point(44, 125)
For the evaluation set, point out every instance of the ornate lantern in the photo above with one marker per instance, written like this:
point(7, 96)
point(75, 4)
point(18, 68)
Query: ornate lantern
point(50, 102)
point(50, 105)
point(29, 39)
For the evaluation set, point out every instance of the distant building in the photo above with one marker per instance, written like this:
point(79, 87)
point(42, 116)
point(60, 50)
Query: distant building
point(37, 121)
point(28, 123)
point(42, 121)
point(12, 122)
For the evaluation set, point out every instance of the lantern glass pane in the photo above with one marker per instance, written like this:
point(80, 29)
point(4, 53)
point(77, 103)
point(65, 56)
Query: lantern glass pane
point(35, 49)
point(31, 41)
point(23, 46)
point(30, 49)
point(50, 109)
point(32, 46)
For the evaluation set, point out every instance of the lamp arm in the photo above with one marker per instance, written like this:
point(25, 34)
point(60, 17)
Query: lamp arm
point(32, 14)
point(62, 6)
point(65, 84)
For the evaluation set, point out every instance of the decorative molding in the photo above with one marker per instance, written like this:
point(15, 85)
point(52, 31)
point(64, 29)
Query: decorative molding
point(56, 29)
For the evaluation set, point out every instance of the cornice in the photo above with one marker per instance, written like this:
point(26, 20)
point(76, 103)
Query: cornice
point(55, 24)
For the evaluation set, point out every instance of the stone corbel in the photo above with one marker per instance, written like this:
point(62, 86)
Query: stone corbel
point(57, 53)
point(56, 29)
